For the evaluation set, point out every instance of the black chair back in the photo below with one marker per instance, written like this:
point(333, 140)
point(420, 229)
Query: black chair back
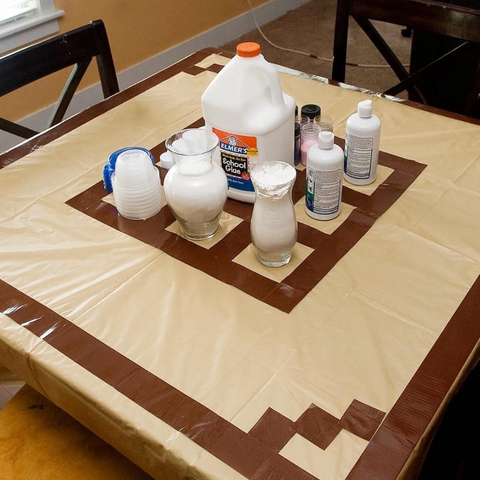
point(423, 15)
point(77, 48)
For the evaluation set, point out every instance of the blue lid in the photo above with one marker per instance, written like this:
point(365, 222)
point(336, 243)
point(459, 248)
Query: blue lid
point(109, 167)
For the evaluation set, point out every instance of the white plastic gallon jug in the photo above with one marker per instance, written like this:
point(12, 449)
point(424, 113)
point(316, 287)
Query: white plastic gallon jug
point(245, 107)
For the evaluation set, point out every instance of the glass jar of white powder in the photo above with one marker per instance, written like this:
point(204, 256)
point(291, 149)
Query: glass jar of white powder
point(195, 187)
point(273, 227)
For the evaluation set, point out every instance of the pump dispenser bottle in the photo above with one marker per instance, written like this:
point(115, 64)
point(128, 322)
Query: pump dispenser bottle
point(362, 142)
point(323, 198)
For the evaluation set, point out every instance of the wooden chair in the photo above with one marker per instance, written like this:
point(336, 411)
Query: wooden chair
point(77, 48)
point(425, 15)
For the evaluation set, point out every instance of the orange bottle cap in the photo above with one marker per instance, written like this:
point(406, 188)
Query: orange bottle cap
point(248, 49)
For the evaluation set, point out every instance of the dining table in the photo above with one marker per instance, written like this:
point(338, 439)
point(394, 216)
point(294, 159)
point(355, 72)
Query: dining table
point(196, 361)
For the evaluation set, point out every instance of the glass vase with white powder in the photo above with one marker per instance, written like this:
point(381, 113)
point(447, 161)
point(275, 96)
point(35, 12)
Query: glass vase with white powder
point(273, 227)
point(195, 187)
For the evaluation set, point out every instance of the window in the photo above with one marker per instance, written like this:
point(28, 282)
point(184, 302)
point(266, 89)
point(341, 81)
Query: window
point(12, 10)
point(24, 21)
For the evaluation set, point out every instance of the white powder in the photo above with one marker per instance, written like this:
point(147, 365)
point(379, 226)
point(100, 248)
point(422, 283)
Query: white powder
point(271, 175)
point(274, 230)
point(199, 196)
point(195, 188)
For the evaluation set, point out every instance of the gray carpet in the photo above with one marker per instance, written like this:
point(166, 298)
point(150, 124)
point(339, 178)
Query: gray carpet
point(310, 28)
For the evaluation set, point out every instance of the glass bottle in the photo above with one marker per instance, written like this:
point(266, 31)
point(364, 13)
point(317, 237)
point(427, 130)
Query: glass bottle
point(195, 187)
point(296, 156)
point(273, 226)
point(325, 122)
point(310, 133)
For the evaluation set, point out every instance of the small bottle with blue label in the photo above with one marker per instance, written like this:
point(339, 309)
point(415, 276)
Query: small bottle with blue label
point(323, 197)
point(362, 143)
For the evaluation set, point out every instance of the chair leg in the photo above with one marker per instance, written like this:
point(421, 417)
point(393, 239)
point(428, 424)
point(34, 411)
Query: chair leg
point(340, 42)
point(389, 55)
point(105, 64)
point(16, 129)
point(437, 64)
point(472, 107)
point(68, 91)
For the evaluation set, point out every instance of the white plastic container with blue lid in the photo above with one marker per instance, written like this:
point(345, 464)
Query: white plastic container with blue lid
point(245, 107)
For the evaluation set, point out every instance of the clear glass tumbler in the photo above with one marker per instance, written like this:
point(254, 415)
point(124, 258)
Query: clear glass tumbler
point(273, 227)
point(325, 122)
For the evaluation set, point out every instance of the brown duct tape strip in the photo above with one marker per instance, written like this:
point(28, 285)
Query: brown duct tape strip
point(254, 455)
point(219, 260)
point(234, 447)
point(404, 425)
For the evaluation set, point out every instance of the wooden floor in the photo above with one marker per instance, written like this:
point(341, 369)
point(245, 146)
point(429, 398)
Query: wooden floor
point(27, 419)
point(9, 386)
point(6, 393)
point(68, 450)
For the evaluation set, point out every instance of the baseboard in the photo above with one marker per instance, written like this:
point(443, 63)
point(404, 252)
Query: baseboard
point(214, 37)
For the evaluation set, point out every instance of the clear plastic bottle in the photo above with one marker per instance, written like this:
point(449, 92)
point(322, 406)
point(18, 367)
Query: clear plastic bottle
point(323, 198)
point(245, 107)
point(362, 141)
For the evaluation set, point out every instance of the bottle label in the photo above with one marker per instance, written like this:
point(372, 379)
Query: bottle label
point(238, 155)
point(323, 192)
point(358, 156)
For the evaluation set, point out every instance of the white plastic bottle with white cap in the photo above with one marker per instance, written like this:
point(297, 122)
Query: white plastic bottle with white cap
point(245, 107)
point(323, 197)
point(362, 141)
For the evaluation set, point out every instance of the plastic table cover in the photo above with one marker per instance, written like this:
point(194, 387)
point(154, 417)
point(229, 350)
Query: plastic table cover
point(194, 360)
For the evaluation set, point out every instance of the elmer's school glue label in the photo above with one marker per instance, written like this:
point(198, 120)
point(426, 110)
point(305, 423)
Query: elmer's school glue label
point(238, 155)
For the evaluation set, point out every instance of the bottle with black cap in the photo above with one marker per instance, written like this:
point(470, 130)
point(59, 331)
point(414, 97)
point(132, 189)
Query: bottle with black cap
point(311, 111)
point(308, 130)
point(297, 151)
point(310, 133)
